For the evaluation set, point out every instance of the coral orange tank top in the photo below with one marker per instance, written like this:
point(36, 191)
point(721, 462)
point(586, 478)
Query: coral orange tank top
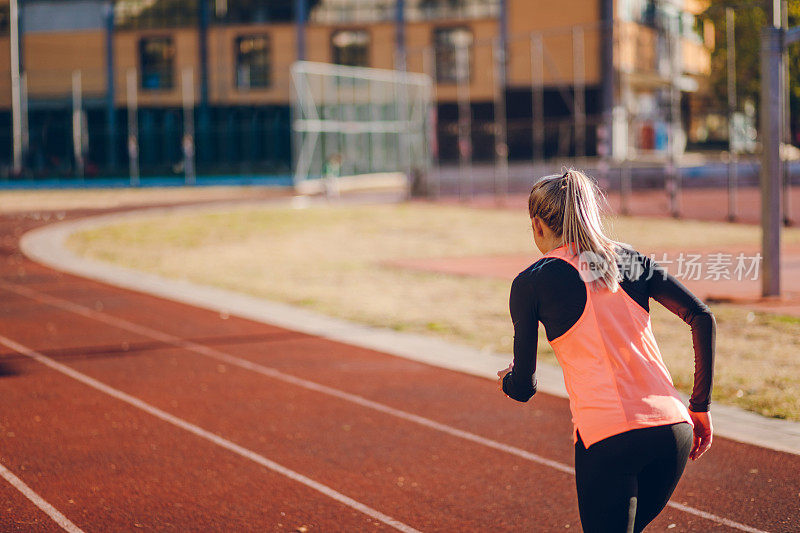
point(612, 367)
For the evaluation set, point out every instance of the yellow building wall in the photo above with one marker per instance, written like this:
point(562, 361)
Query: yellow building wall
point(51, 58)
point(636, 48)
point(419, 36)
point(318, 44)
point(382, 45)
point(5, 69)
point(636, 51)
point(554, 21)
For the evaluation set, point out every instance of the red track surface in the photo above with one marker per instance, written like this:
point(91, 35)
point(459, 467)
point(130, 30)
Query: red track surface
point(109, 465)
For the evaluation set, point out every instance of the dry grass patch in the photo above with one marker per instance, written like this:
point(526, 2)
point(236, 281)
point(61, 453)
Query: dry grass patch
point(330, 259)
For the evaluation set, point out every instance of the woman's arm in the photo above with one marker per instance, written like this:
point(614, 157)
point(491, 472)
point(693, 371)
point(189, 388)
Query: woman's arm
point(520, 382)
point(671, 293)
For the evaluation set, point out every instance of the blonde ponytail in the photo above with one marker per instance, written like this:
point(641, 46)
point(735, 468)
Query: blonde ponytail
point(568, 204)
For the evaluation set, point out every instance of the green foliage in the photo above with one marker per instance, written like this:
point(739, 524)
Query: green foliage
point(750, 17)
point(748, 22)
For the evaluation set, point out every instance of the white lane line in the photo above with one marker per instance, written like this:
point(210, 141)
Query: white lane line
point(38, 501)
point(202, 433)
point(275, 373)
point(715, 518)
point(310, 385)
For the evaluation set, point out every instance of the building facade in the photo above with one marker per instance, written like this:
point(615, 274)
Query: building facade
point(545, 58)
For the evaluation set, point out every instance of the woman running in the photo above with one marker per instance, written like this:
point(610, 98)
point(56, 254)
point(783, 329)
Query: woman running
point(632, 432)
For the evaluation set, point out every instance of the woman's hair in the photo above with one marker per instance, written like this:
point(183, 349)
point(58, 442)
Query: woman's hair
point(569, 204)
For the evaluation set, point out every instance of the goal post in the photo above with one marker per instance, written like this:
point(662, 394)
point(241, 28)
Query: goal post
point(355, 126)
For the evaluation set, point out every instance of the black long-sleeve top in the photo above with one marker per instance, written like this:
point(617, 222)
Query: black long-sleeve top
point(552, 292)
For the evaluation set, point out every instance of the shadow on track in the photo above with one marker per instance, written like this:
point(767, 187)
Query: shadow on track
point(7, 370)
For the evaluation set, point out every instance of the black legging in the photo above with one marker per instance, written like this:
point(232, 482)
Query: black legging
point(624, 481)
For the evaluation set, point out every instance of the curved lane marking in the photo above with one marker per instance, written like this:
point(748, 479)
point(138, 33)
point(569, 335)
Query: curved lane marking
point(317, 387)
point(204, 434)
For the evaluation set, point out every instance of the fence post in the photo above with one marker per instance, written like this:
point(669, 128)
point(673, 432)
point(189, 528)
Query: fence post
point(500, 123)
point(300, 11)
point(202, 137)
point(771, 172)
point(578, 91)
point(188, 125)
point(111, 116)
point(23, 99)
point(625, 187)
point(537, 96)
point(77, 123)
point(786, 120)
point(133, 126)
point(352, 150)
point(673, 170)
point(733, 176)
point(373, 161)
point(429, 67)
point(464, 118)
point(16, 97)
point(607, 37)
point(400, 35)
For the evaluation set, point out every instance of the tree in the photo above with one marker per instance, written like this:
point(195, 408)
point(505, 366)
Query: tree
point(750, 17)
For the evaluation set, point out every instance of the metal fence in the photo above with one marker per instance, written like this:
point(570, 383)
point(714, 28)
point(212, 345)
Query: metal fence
point(502, 116)
point(538, 108)
point(537, 103)
point(69, 131)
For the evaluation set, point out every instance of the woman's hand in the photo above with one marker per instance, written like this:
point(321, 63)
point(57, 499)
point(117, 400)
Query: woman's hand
point(703, 431)
point(502, 373)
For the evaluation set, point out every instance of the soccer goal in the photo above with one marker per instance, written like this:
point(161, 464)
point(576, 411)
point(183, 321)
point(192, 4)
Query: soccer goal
point(356, 126)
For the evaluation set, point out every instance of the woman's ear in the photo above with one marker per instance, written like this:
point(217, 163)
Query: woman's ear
point(536, 223)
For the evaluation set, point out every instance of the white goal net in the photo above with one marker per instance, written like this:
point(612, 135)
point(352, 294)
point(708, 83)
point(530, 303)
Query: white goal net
point(355, 122)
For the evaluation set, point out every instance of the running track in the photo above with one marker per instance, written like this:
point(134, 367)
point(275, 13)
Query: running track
point(122, 411)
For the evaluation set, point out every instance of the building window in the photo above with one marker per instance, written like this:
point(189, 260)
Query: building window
point(350, 47)
point(156, 58)
point(648, 13)
point(453, 54)
point(253, 61)
point(5, 19)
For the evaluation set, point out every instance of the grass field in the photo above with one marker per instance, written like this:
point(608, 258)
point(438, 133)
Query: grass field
point(332, 259)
